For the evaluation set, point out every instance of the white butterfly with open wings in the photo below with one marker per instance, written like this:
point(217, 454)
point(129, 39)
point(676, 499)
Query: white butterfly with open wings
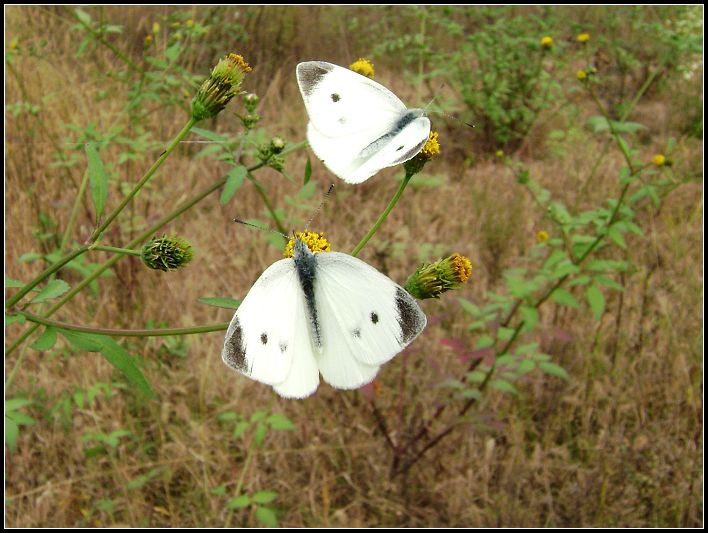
point(357, 126)
point(324, 312)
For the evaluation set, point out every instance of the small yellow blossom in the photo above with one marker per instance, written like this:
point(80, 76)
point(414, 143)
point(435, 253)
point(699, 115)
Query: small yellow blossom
point(499, 153)
point(542, 236)
point(364, 67)
point(14, 43)
point(583, 37)
point(430, 281)
point(432, 147)
point(430, 150)
point(659, 160)
point(148, 40)
point(189, 23)
point(547, 41)
point(581, 75)
point(155, 28)
point(316, 242)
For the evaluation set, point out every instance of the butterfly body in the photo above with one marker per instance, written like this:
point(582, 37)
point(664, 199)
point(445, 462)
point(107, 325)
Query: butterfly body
point(327, 313)
point(357, 126)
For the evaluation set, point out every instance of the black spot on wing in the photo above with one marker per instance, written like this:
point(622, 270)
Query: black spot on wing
point(374, 317)
point(410, 153)
point(399, 148)
point(357, 333)
point(283, 346)
point(264, 338)
point(310, 75)
point(234, 350)
point(335, 97)
point(410, 318)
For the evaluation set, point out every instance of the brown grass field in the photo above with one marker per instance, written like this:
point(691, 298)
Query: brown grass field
point(618, 443)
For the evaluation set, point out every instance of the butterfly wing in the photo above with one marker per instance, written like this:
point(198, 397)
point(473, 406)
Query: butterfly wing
point(357, 126)
point(365, 319)
point(268, 338)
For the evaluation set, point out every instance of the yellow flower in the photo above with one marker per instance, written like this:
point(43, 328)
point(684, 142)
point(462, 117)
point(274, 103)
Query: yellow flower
point(659, 160)
point(148, 40)
point(316, 242)
point(222, 85)
point(189, 23)
point(155, 28)
point(547, 41)
point(430, 150)
point(583, 37)
point(542, 236)
point(499, 153)
point(581, 75)
point(430, 281)
point(364, 67)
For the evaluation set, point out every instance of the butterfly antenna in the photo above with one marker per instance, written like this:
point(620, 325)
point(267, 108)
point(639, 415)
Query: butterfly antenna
point(239, 221)
point(324, 201)
point(448, 115)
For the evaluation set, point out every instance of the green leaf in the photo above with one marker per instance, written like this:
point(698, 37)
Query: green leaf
point(14, 319)
point(553, 369)
point(264, 496)
point(469, 307)
point(610, 283)
point(307, 190)
point(616, 236)
point(503, 386)
point(280, 422)
point(53, 289)
point(11, 433)
point(563, 297)
point(239, 502)
point(308, 172)
point(485, 341)
point(210, 135)
point(267, 517)
point(234, 180)
point(505, 334)
point(240, 428)
point(530, 316)
point(114, 353)
point(13, 283)
point(259, 434)
point(97, 178)
point(526, 366)
point(46, 340)
point(225, 303)
point(596, 300)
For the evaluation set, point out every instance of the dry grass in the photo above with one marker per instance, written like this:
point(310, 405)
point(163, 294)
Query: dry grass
point(619, 444)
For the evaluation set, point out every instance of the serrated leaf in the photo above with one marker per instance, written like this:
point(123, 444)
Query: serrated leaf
point(267, 517)
point(596, 300)
point(234, 180)
point(225, 303)
point(239, 502)
point(264, 496)
point(563, 297)
point(53, 289)
point(280, 422)
point(552, 369)
point(46, 340)
point(98, 179)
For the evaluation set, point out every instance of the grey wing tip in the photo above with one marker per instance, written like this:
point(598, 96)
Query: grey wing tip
point(234, 352)
point(411, 318)
point(309, 74)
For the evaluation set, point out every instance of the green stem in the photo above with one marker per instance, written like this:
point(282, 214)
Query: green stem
point(175, 142)
point(383, 216)
point(162, 332)
point(113, 249)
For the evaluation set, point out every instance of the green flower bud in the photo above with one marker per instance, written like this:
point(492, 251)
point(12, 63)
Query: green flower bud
point(222, 85)
point(430, 281)
point(167, 253)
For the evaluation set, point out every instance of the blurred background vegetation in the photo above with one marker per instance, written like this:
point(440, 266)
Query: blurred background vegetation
point(607, 433)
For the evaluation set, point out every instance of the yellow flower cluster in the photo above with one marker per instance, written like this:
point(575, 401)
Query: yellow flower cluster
point(316, 242)
point(364, 67)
